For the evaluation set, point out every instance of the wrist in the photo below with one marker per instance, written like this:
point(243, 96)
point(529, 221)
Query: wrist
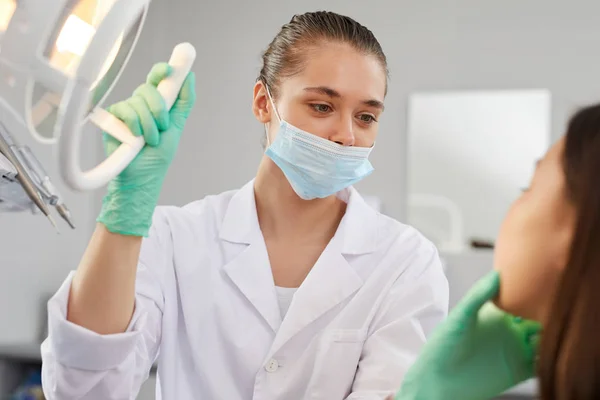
point(128, 210)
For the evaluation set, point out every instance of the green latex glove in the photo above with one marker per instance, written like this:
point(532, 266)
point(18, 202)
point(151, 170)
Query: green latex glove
point(477, 353)
point(132, 196)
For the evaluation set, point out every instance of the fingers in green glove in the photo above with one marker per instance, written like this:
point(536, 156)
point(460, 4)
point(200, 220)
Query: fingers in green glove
point(149, 128)
point(155, 103)
point(158, 72)
point(126, 113)
point(530, 330)
point(151, 114)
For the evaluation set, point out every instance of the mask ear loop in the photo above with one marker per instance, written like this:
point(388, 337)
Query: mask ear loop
point(267, 135)
point(276, 114)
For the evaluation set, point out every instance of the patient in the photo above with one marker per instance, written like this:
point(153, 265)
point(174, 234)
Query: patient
point(548, 256)
point(547, 271)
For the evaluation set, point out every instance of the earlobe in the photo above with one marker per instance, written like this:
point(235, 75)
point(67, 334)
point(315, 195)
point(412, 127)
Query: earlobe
point(260, 104)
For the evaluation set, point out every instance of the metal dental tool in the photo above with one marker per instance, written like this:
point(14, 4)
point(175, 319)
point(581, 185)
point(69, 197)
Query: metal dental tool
point(10, 151)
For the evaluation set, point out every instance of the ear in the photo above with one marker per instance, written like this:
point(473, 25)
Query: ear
point(261, 106)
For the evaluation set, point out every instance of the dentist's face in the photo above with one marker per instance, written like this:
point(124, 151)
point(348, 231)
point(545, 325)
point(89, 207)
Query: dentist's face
point(338, 95)
point(534, 241)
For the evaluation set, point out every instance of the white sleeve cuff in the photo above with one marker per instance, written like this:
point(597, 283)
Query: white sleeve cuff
point(81, 348)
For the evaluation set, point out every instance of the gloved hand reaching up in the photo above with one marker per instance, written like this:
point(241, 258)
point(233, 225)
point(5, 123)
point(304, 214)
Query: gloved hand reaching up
point(132, 196)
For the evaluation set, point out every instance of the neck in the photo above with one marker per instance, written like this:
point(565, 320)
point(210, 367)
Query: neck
point(283, 215)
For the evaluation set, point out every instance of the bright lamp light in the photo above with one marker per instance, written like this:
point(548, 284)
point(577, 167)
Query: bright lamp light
point(59, 59)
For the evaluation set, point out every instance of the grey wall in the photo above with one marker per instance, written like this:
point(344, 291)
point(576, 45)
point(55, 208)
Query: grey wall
point(431, 45)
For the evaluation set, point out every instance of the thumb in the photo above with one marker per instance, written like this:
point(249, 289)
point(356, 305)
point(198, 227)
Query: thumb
point(484, 290)
point(185, 101)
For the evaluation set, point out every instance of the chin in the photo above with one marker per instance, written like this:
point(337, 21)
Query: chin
point(517, 305)
point(513, 297)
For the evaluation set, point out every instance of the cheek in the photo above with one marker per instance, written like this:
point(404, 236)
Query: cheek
point(527, 252)
point(302, 118)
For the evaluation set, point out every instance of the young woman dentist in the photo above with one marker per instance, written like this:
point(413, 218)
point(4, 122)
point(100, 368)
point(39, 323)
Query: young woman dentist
point(291, 287)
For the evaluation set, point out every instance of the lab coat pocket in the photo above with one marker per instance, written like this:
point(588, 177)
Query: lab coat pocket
point(338, 354)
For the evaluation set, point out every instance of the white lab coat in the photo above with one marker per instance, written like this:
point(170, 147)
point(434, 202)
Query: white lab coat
point(207, 312)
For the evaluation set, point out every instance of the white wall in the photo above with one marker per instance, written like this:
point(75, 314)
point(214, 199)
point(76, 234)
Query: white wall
point(430, 45)
point(470, 155)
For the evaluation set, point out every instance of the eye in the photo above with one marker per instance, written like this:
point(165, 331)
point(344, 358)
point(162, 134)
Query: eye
point(367, 118)
point(321, 108)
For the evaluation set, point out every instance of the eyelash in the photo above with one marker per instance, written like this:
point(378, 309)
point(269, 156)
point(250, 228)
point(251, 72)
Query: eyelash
point(317, 106)
point(371, 119)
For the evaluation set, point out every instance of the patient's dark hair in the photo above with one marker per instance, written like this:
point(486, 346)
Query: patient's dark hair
point(569, 363)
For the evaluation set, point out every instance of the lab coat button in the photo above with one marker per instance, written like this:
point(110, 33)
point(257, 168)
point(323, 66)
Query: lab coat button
point(272, 365)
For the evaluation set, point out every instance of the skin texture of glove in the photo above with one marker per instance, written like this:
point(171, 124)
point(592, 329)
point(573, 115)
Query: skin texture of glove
point(132, 196)
point(477, 353)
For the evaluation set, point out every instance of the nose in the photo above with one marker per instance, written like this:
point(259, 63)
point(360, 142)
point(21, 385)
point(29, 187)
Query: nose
point(343, 132)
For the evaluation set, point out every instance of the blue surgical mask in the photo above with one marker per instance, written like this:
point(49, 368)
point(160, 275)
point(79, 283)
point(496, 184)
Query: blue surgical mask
point(316, 167)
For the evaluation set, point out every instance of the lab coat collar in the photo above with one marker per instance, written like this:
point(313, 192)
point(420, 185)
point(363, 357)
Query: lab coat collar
point(357, 232)
point(240, 223)
point(331, 280)
point(250, 271)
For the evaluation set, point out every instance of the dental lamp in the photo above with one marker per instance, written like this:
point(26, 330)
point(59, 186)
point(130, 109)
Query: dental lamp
point(59, 60)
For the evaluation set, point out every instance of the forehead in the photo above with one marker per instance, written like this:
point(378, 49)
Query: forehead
point(342, 68)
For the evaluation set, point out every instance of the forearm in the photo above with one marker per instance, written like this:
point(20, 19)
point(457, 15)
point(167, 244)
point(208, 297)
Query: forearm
point(102, 296)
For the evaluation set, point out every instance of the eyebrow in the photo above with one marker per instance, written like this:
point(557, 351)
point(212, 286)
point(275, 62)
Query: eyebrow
point(327, 91)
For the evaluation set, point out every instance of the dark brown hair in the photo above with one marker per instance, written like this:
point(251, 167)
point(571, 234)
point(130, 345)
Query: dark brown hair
point(288, 53)
point(569, 363)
